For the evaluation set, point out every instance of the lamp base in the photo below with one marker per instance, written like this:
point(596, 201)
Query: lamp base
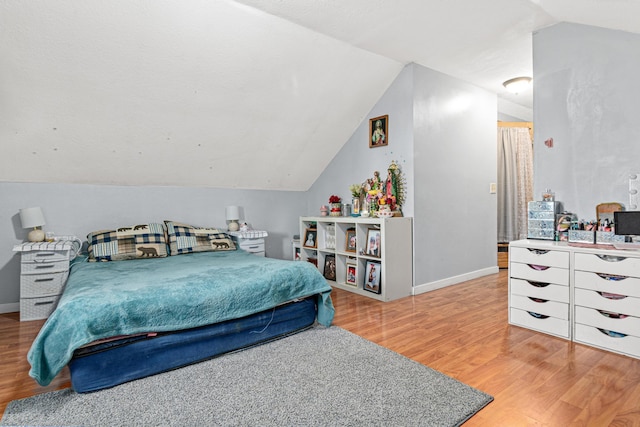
point(234, 226)
point(36, 235)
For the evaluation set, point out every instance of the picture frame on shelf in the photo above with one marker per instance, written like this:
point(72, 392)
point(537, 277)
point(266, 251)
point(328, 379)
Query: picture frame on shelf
point(372, 245)
point(379, 131)
point(372, 277)
point(311, 238)
point(330, 267)
point(330, 237)
point(350, 243)
point(351, 278)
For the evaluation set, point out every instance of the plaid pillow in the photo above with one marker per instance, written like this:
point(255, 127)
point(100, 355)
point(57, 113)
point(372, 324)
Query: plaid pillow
point(138, 241)
point(184, 239)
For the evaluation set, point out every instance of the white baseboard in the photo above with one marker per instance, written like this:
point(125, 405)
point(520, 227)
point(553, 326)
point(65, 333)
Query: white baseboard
point(420, 289)
point(10, 308)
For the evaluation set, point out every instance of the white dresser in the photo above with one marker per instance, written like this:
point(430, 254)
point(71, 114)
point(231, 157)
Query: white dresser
point(589, 294)
point(44, 270)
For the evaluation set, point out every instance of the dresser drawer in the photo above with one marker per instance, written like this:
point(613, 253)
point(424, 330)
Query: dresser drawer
point(45, 256)
point(593, 299)
point(608, 283)
point(43, 267)
point(593, 336)
point(624, 266)
point(37, 308)
point(549, 258)
point(537, 273)
point(40, 285)
point(547, 291)
point(555, 309)
point(629, 325)
point(550, 325)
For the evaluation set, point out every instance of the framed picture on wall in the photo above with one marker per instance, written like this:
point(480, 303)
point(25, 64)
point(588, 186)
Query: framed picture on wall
point(372, 277)
point(379, 131)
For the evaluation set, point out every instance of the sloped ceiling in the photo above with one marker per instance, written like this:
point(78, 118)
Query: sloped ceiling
point(238, 94)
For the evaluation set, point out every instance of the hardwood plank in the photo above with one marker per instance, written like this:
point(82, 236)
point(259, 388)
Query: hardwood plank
point(462, 331)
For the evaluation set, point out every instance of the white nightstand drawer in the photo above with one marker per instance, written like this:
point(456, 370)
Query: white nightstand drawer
point(537, 273)
point(549, 258)
point(44, 267)
point(555, 309)
point(547, 291)
point(624, 266)
point(550, 325)
point(593, 336)
point(37, 308)
point(601, 282)
point(252, 245)
point(629, 325)
point(626, 305)
point(45, 256)
point(40, 285)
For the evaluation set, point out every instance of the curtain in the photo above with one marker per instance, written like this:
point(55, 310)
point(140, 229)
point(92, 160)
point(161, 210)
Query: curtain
point(515, 182)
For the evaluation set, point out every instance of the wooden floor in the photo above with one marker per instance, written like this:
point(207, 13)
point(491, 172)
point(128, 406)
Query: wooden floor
point(462, 331)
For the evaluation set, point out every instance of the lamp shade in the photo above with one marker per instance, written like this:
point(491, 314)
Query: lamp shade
point(232, 213)
point(31, 217)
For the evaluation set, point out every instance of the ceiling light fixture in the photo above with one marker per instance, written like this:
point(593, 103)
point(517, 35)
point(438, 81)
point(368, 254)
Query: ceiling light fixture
point(518, 84)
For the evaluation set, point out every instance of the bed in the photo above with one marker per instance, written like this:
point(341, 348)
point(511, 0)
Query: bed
point(134, 317)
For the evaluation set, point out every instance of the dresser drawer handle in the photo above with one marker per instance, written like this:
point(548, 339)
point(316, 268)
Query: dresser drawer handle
point(612, 334)
point(538, 251)
point(609, 295)
point(611, 277)
point(538, 267)
point(539, 300)
point(537, 315)
point(612, 315)
point(48, 279)
point(43, 254)
point(611, 258)
point(44, 303)
point(40, 267)
point(538, 284)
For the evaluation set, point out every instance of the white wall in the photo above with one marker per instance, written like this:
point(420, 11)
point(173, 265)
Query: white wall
point(586, 97)
point(443, 132)
point(79, 209)
point(455, 138)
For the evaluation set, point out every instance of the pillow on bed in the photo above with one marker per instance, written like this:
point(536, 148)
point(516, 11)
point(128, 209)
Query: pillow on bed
point(184, 239)
point(138, 241)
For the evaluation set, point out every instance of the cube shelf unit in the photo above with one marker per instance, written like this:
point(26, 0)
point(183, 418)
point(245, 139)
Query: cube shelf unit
point(396, 252)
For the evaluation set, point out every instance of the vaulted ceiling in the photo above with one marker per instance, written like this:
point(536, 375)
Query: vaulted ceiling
point(239, 94)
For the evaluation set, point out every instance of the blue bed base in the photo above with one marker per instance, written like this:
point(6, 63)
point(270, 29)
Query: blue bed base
point(108, 364)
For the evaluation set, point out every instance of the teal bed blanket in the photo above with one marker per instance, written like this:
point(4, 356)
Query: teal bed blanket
point(107, 299)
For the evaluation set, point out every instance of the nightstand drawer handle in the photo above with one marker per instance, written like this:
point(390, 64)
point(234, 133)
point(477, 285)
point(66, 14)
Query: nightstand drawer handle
point(41, 254)
point(45, 266)
point(44, 303)
point(44, 280)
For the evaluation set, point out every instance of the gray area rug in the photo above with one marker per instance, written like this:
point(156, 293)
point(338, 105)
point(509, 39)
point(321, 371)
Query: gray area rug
point(322, 376)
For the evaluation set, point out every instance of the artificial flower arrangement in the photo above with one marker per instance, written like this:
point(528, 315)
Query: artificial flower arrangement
point(387, 195)
point(335, 199)
point(336, 206)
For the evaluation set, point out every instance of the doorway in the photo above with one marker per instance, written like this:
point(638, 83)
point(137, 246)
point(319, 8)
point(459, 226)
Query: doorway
point(515, 184)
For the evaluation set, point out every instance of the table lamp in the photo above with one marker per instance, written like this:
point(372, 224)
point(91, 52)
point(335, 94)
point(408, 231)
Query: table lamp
point(233, 215)
point(33, 218)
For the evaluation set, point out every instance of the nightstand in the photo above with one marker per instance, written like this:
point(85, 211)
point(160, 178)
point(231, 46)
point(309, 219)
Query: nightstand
point(44, 269)
point(250, 241)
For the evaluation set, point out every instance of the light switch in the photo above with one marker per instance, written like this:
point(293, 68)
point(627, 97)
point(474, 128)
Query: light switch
point(493, 188)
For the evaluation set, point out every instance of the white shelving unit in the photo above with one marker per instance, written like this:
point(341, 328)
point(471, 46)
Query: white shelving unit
point(396, 252)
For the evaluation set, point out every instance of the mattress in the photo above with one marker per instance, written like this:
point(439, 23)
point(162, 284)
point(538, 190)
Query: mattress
point(107, 364)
